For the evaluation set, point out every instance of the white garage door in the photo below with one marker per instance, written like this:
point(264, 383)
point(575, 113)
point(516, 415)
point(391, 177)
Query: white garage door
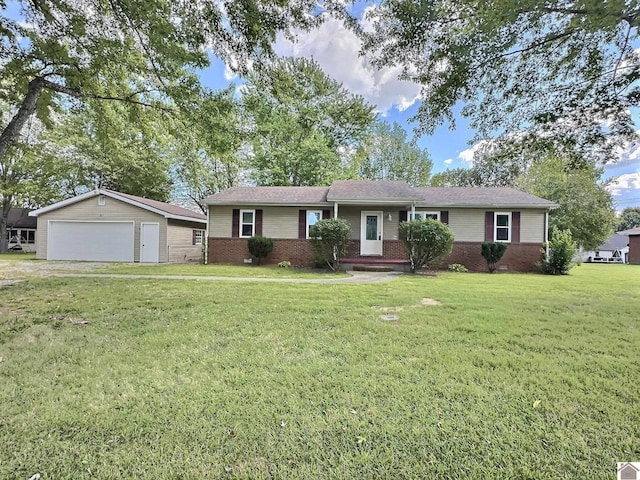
point(96, 241)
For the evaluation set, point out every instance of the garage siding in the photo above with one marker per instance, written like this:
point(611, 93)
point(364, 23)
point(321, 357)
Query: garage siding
point(180, 242)
point(112, 210)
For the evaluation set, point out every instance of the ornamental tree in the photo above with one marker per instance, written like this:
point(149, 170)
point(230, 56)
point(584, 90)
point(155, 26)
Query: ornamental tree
point(329, 240)
point(426, 241)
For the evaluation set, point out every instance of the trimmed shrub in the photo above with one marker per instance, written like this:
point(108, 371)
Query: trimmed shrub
point(329, 240)
point(458, 267)
point(492, 253)
point(562, 249)
point(260, 247)
point(426, 241)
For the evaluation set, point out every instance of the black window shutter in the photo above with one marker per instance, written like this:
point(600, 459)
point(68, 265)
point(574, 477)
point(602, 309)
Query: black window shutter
point(444, 217)
point(235, 223)
point(515, 227)
point(403, 215)
point(258, 220)
point(302, 224)
point(193, 237)
point(488, 227)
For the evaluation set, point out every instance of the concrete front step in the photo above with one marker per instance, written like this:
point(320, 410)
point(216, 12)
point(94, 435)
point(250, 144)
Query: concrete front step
point(373, 268)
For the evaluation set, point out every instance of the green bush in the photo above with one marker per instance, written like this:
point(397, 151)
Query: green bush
point(458, 267)
point(562, 248)
point(492, 253)
point(260, 247)
point(329, 240)
point(426, 241)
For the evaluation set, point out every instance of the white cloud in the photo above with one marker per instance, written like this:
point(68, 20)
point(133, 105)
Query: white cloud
point(468, 154)
point(624, 183)
point(448, 161)
point(336, 49)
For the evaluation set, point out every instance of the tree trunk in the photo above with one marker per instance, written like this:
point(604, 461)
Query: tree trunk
point(10, 134)
point(4, 216)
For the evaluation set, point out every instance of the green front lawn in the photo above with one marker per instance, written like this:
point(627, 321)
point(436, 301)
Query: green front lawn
point(512, 376)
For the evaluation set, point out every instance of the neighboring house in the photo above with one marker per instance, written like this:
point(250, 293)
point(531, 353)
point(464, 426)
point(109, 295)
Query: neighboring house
point(374, 210)
point(103, 225)
point(614, 250)
point(634, 244)
point(21, 230)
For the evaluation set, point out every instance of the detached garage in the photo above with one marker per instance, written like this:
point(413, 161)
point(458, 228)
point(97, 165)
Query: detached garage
point(107, 226)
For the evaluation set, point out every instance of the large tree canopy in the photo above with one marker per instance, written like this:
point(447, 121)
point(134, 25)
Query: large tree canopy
point(629, 218)
point(561, 68)
point(305, 126)
point(142, 52)
point(387, 154)
point(586, 208)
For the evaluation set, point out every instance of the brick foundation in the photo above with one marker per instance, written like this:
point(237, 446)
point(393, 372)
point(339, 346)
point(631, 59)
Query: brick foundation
point(519, 257)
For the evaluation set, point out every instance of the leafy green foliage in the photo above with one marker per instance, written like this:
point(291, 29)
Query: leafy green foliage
point(388, 155)
point(492, 252)
point(560, 66)
point(426, 241)
point(586, 207)
point(630, 218)
point(457, 267)
point(142, 53)
point(260, 247)
point(303, 124)
point(329, 240)
point(562, 249)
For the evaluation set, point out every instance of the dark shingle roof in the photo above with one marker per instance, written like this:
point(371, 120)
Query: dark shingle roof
point(269, 195)
point(481, 197)
point(615, 242)
point(165, 207)
point(375, 190)
point(19, 218)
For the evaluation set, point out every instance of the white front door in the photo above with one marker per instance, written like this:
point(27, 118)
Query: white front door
point(371, 233)
point(149, 242)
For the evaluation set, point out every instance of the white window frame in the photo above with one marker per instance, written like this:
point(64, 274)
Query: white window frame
point(319, 212)
point(241, 223)
point(198, 237)
point(495, 227)
point(21, 233)
point(102, 200)
point(423, 213)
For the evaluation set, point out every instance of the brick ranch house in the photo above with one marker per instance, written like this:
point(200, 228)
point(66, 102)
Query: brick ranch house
point(374, 209)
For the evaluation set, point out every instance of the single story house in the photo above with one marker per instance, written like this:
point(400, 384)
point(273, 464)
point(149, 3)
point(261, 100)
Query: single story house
point(634, 244)
point(374, 209)
point(21, 230)
point(107, 226)
point(614, 250)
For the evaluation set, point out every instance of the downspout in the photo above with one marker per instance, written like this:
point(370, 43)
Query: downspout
point(413, 211)
point(335, 209)
point(546, 233)
point(206, 240)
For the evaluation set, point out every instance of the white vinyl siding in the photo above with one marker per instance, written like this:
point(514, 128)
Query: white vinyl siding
point(467, 224)
point(532, 226)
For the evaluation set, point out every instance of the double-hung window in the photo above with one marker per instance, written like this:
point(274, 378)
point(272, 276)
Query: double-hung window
point(423, 214)
point(247, 223)
point(502, 227)
point(198, 236)
point(313, 217)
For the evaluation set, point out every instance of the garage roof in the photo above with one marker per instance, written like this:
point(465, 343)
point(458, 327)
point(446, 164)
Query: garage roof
point(161, 208)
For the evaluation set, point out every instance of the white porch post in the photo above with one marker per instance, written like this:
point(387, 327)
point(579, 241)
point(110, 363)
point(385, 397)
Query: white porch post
point(413, 212)
point(335, 210)
point(546, 233)
point(206, 239)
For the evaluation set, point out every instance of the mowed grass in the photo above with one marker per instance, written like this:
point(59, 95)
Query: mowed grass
point(216, 270)
point(513, 376)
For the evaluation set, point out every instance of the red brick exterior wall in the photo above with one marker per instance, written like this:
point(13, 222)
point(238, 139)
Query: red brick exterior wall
point(634, 249)
point(519, 257)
